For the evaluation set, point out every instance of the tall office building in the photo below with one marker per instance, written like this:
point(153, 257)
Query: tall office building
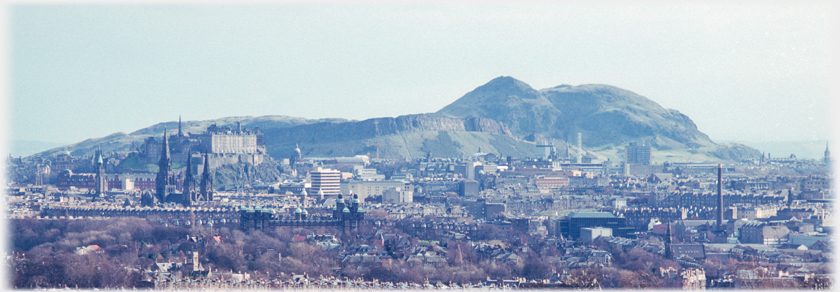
point(327, 181)
point(636, 154)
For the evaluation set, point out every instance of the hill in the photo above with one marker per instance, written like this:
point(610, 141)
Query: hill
point(606, 116)
point(504, 116)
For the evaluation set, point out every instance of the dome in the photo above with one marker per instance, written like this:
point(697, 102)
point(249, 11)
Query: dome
point(304, 212)
point(355, 201)
point(334, 208)
point(346, 210)
point(360, 210)
point(297, 211)
point(340, 200)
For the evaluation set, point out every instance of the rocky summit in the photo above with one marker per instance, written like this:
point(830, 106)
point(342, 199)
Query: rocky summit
point(603, 114)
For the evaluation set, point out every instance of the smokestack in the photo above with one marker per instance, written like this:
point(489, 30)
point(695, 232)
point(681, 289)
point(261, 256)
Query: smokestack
point(580, 149)
point(720, 197)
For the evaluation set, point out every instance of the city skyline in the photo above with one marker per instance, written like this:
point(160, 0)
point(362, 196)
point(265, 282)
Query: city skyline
point(87, 71)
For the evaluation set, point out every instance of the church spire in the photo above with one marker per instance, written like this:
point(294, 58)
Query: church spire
point(164, 152)
point(101, 181)
point(827, 157)
point(206, 187)
point(189, 182)
point(179, 126)
point(164, 176)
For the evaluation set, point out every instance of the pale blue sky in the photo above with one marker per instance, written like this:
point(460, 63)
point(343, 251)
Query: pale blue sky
point(750, 72)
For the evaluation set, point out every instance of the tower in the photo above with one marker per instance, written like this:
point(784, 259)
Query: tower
point(295, 155)
point(303, 198)
point(668, 242)
point(827, 157)
point(101, 181)
point(720, 197)
point(189, 182)
point(206, 187)
point(164, 182)
point(580, 149)
point(39, 178)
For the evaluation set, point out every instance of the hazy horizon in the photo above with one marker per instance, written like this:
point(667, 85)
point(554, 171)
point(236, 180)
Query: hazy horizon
point(809, 149)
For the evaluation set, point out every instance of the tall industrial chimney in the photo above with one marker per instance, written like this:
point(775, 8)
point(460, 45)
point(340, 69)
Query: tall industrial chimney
point(580, 149)
point(720, 197)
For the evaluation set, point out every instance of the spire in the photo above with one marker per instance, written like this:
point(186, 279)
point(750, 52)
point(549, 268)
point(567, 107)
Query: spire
point(827, 157)
point(101, 181)
point(189, 183)
point(164, 153)
point(164, 177)
point(206, 181)
point(179, 126)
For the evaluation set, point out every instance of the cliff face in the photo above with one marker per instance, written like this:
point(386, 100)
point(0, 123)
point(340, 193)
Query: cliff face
point(403, 136)
point(372, 128)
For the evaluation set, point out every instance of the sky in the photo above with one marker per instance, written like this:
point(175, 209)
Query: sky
point(741, 72)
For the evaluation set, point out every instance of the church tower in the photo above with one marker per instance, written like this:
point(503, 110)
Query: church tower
point(827, 157)
point(206, 187)
point(189, 194)
point(165, 181)
point(101, 180)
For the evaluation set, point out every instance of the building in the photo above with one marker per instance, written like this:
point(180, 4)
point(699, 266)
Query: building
point(552, 181)
point(763, 233)
point(224, 140)
point(327, 181)
point(365, 189)
point(165, 180)
point(570, 226)
point(637, 154)
point(397, 195)
point(468, 188)
point(225, 145)
point(587, 235)
point(101, 181)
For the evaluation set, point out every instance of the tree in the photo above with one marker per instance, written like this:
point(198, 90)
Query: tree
point(584, 278)
point(536, 269)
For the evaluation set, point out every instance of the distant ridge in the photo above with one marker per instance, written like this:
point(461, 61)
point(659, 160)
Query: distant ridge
point(504, 116)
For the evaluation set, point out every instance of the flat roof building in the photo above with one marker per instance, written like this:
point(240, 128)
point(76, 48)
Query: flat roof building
point(327, 181)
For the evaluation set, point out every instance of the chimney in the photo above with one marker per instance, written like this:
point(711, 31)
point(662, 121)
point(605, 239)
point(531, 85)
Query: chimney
point(580, 149)
point(720, 197)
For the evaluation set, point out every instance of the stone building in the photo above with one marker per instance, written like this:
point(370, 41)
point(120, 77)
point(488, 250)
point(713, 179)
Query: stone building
point(764, 233)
